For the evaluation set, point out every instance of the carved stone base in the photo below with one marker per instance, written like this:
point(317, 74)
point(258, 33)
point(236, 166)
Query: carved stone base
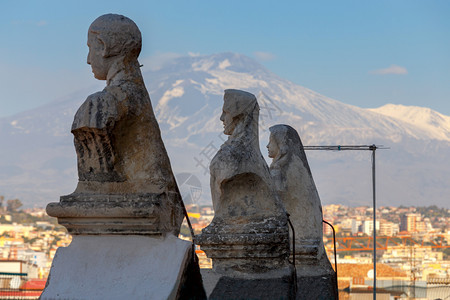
point(124, 267)
point(244, 249)
point(244, 254)
point(137, 214)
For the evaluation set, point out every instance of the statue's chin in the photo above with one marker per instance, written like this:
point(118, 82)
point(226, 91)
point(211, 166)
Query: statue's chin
point(99, 77)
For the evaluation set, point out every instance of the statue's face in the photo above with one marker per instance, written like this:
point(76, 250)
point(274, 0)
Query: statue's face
point(99, 64)
point(227, 119)
point(272, 147)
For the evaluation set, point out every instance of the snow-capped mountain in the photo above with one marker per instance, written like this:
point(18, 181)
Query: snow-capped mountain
point(37, 159)
point(435, 124)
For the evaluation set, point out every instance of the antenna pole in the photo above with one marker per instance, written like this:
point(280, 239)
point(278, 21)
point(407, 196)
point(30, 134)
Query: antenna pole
point(374, 225)
point(372, 148)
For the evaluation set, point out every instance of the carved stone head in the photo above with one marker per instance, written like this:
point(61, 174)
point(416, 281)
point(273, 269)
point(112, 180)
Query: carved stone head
point(111, 38)
point(236, 105)
point(272, 147)
point(283, 140)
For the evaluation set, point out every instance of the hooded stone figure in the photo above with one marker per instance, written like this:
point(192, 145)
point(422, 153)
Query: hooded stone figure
point(295, 187)
point(248, 214)
point(239, 161)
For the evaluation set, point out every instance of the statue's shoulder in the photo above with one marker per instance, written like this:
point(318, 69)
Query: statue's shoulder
point(132, 96)
point(97, 111)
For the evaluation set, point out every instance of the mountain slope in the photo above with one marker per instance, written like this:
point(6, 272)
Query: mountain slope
point(38, 162)
point(435, 124)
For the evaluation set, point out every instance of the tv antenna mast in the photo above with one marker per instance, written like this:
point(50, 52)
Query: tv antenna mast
point(372, 148)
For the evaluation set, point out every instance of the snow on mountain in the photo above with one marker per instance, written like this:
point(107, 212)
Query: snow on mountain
point(435, 124)
point(202, 80)
point(38, 164)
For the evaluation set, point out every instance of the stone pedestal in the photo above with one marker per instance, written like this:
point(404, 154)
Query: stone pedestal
point(123, 247)
point(248, 249)
point(250, 261)
point(124, 267)
point(250, 258)
point(145, 213)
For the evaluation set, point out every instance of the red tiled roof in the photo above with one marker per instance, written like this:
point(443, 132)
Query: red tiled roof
point(34, 284)
point(360, 270)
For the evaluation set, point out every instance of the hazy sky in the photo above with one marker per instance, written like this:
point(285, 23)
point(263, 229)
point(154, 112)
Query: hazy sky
point(365, 53)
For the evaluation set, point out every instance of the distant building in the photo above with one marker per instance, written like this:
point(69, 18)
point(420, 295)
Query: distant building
point(356, 224)
point(19, 266)
point(388, 228)
point(412, 223)
point(367, 226)
point(16, 228)
point(33, 257)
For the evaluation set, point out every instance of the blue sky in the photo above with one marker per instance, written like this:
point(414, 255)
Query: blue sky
point(365, 53)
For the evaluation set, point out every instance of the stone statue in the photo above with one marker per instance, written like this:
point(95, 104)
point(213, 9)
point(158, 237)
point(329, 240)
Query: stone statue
point(123, 167)
point(126, 212)
point(248, 236)
point(117, 137)
point(241, 186)
point(295, 186)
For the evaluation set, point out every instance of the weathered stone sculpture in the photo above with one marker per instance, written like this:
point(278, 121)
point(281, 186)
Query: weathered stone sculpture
point(295, 186)
point(126, 210)
point(248, 237)
point(123, 167)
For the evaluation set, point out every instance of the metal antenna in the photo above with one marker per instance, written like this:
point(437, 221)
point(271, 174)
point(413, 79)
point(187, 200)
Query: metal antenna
point(372, 148)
